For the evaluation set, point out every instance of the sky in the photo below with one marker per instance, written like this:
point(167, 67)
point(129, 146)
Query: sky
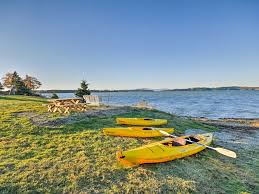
point(130, 44)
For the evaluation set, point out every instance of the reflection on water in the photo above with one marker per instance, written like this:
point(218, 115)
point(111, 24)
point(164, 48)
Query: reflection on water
point(210, 104)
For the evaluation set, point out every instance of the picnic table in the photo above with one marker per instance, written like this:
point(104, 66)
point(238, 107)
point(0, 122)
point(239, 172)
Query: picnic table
point(65, 105)
point(66, 101)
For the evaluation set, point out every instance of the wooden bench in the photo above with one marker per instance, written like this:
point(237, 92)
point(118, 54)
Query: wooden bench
point(92, 100)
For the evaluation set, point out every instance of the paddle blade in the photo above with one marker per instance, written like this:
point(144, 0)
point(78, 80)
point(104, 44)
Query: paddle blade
point(164, 133)
point(226, 152)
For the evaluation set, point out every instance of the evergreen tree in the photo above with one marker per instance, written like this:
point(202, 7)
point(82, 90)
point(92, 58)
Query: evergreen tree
point(1, 86)
point(84, 90)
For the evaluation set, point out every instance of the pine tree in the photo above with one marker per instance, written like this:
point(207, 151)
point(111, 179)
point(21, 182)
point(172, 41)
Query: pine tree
point(84, 90)
point(1, 86)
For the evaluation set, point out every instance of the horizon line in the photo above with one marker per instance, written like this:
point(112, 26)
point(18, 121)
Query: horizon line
point(163, 88)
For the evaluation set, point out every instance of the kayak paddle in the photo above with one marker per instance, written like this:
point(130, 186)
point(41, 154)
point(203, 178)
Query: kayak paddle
point(222, 151)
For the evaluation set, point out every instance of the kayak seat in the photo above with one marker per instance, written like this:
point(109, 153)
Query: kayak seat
point(176, 142)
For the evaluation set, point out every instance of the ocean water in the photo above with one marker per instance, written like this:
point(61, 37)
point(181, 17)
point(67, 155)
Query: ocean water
point(209, 104)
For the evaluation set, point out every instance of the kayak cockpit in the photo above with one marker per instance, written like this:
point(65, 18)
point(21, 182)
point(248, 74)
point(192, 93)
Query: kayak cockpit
point(178, 141)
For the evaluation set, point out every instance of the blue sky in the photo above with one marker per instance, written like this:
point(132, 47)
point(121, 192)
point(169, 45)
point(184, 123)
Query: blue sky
point(132, 44)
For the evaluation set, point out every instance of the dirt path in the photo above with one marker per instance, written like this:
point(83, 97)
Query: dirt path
point(44, 120)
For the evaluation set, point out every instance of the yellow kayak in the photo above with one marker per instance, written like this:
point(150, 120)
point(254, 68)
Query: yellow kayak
point(136, 131)
point(141, 121)
point(163, 151)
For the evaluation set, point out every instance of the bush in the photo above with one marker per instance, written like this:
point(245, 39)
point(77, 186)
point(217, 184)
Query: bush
point(54, 96)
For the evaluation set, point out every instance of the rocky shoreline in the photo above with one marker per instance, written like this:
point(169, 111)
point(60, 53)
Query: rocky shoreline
point(234, 123)
point(234, 133)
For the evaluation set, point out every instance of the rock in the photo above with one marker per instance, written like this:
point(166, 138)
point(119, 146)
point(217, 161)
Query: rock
point(194, 131)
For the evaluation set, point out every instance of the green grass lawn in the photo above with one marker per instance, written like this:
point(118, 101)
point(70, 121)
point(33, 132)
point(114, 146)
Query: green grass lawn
point(76, 157)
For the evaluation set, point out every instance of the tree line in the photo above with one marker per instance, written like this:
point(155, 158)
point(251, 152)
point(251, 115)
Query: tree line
point(27, 86)
point(18, 85)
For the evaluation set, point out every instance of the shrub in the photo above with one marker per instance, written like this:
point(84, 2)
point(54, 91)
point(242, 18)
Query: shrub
point(54, 96)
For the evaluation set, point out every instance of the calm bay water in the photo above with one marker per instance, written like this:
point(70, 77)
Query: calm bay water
point(210, 104)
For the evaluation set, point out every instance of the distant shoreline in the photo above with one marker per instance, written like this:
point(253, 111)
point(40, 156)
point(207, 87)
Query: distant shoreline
point(162, 90)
